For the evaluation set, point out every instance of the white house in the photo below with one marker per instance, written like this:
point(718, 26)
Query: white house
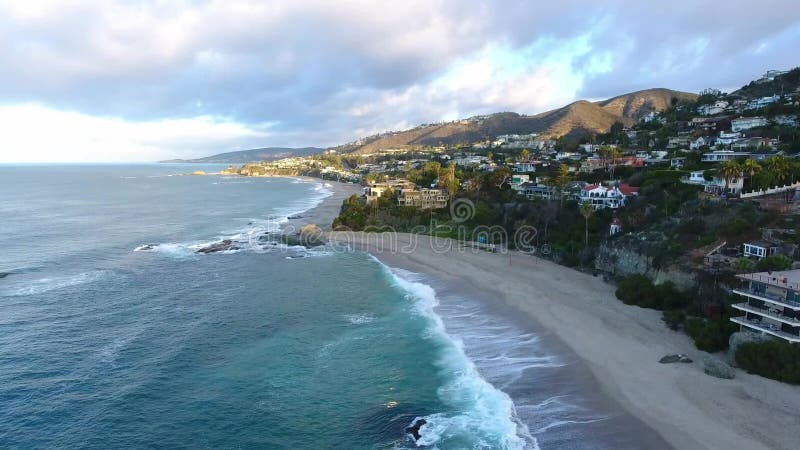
point(524, 166)
point(746, 123)
point(722, 156)
point(759, 249)
point(728, 138)
point(601, 197)
point(713, 109)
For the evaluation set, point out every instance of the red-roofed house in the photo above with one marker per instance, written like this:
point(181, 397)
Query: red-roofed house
point(613, 197)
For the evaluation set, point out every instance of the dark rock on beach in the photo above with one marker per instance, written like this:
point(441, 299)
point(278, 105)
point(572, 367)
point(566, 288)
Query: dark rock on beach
point(220, 246)
point(679, 357)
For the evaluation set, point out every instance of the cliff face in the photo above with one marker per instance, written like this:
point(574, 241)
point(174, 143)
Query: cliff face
point(623, 257)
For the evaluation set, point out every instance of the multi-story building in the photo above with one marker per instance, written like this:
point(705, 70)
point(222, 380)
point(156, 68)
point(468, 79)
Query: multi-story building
point(423, 198)
point(746, 123)
point(375, 190)
point(601, 197)
point(772, 304)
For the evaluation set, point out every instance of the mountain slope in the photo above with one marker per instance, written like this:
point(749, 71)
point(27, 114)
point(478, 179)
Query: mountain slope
point(256, 154)
point(637, 104)
point(576, 119)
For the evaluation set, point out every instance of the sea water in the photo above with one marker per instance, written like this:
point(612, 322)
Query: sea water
point(104, 346)
point(116, 333)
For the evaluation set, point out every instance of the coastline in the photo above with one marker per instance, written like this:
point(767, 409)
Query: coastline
point(619, 344)
point(322, 215)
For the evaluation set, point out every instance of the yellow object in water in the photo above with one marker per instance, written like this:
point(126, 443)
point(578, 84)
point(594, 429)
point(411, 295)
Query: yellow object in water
point(391, 404)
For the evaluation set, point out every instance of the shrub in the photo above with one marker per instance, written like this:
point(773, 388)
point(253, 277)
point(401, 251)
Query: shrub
point(710, 335)
point(774, 359)
point(639, 290)
point(774, 262)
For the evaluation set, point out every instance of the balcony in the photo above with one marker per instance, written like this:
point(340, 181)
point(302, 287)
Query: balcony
point(767, 313)
point(775, 299)
point(767, 328)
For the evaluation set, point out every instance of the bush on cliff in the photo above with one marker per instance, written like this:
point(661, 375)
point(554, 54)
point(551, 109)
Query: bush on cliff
point(774, 359)
point(774, 262)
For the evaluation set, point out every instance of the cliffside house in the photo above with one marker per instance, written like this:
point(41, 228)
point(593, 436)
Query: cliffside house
point(542, 191)
point(772, 304)
point(601, 197)
point(746, 123)
point(716, 185)
point(423, 198)
point(375, 190)
point(722, 156)
point(759, 249)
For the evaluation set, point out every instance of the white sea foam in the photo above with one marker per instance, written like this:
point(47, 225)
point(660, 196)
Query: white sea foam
point(248, 238)
point(42, 285)
point(485, 413)
point(359, 319)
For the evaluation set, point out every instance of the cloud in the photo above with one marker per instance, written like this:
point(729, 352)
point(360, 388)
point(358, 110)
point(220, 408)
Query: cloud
point(321, 72)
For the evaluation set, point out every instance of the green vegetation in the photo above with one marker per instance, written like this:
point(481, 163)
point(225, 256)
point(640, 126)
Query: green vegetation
point(774, 262)
point(774, 359)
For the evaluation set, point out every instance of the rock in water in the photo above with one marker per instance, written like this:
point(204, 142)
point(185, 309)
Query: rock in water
point(3, 274)
point(716, 368)
point(414, 429)
point(221, 246)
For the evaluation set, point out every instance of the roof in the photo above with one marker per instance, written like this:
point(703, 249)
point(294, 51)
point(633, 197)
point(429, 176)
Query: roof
point(628, 190)
point(762, 243)
point(789, 279)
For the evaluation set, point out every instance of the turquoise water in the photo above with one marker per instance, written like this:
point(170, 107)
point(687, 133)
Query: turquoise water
point(102, 346)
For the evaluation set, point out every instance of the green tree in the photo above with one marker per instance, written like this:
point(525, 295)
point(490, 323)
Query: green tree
point(730, 171)
point(774, 262)
point(745, 265)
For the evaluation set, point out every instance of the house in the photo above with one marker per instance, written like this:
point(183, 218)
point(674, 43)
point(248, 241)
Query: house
point(754, 143)
point(759, 249)
point(533, 190)
point(772, 304)
point(677, 163)
point(702, 141)
point(763, 101)
point(722, 156)
point(601, 197)
point(423, 198)
point(678, 142)
point(719, 186)
point(713, 109)
point(649, 117)
point(746, 123)
point(711, 124)
point(375, 190)
point(728, 138)
point(518, 180)
point(716, 185)
point(525, 166)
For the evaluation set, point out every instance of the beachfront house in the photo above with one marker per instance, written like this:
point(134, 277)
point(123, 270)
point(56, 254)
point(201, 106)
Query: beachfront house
point(375, 190)
point(772, 304)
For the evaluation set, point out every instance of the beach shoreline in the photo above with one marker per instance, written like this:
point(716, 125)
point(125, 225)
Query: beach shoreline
point(620, 345)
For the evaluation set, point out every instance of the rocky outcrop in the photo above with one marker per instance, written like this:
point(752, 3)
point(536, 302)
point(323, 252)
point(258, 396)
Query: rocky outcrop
point(717, 368)
point(221, 246)
point(739, 338)
point(623, 257)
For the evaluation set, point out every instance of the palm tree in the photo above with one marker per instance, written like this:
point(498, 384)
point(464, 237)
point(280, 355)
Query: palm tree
point(586, 211)
point(729, 171)
point(752, 168)
point(779, 167)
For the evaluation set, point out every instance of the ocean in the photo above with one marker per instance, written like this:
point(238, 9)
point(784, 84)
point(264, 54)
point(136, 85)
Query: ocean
point(116, 333)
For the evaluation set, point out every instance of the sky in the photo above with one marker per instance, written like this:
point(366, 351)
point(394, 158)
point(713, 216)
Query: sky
point(108, 81)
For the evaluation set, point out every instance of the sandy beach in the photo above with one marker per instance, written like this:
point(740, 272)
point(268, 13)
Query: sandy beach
point(620, 344)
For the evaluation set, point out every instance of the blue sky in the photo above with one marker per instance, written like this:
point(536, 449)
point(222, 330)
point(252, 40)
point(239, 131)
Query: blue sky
point(147, 80)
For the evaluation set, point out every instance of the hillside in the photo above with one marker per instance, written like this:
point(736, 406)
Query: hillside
point(245, 156)
point(576, 119)
point(637, 104)
point(782, 84)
